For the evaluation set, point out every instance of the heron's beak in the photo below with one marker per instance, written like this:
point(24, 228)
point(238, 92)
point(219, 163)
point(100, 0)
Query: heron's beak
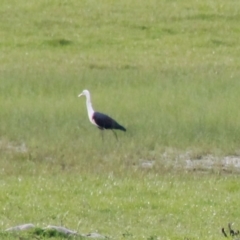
point(80, 95)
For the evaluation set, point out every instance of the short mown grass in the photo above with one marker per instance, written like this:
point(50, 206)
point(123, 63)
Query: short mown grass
point(168, 71)
point(139, 204)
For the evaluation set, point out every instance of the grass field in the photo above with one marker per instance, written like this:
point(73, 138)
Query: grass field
point(166, 70)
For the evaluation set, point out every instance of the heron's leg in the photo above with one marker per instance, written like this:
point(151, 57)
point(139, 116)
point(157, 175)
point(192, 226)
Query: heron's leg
point(115, 135)
point(102, 134)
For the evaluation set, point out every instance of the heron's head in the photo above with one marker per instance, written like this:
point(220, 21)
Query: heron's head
point(84, 93)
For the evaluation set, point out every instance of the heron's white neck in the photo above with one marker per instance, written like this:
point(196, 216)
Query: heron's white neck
point(89, 106)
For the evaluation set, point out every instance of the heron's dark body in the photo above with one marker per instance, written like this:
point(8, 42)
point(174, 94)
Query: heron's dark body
point(103, 121)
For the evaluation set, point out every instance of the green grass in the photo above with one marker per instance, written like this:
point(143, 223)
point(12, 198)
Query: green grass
point(166, 70)
point(167, 206)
